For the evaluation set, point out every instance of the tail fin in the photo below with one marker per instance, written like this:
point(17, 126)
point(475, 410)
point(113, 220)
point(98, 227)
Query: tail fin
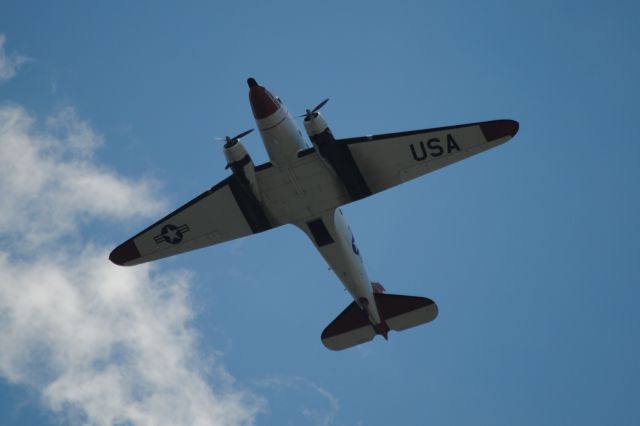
point(352, 327)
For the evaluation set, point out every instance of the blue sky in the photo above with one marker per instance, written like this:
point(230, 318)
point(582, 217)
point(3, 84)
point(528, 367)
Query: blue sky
point(107, 119)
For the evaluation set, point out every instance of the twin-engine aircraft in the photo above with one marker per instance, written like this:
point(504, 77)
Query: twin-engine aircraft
point(306, 186)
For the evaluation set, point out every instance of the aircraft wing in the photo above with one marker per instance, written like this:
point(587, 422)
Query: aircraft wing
point(390, 159)
point(224, 212)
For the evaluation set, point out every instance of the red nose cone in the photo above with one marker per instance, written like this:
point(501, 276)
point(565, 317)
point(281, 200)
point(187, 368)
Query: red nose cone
point(263, 103)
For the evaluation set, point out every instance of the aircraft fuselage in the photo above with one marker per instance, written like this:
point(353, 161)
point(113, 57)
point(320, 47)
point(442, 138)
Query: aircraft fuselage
point(327, 229)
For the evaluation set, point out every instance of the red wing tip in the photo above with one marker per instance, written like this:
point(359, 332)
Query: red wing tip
point(498, 129)
point(124, 253)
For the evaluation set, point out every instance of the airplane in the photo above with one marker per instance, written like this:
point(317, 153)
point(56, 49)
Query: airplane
point(306, 186)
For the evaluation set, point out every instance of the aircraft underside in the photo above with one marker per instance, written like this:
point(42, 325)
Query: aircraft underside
point(306, 186)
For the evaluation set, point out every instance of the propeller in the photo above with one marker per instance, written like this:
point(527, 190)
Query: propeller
point(309, 113)
point(229, 142)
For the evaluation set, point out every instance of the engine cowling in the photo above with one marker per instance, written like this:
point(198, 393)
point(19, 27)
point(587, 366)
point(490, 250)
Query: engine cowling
point(319, 133)
point(240, 163)
point(315, 124)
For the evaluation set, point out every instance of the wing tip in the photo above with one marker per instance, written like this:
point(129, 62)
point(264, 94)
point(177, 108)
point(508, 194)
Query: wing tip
point(498, 129)
point(124, 253)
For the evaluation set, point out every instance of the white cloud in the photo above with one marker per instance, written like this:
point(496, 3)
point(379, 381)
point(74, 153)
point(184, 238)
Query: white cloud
point(9, 64)
point(101, 344)
point(49, 183)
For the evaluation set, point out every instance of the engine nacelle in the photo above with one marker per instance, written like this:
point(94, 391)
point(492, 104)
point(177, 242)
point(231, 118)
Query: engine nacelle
point(315, 124)
point(240, 163)
point(319, 133)
point(337, 155)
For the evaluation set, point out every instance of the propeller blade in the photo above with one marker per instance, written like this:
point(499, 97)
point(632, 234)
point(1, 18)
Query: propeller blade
point(309, 113)
point(320, 105)
point(231, 141)
point(243, 134)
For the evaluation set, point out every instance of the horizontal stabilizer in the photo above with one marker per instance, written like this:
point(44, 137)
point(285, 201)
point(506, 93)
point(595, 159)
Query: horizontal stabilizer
point(352, 327)
point(402, 312)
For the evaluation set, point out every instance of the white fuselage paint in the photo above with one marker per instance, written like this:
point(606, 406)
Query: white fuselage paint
point(344, 258)
point(281, 137)
point(283, 140)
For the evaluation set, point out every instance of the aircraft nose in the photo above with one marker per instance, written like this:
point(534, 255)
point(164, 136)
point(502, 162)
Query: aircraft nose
point(263, 103)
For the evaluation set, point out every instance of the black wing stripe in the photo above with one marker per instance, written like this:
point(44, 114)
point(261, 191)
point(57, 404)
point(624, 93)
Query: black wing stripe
point(250, 207)
point(341, 159)
point(492, 130)
point(263, 166)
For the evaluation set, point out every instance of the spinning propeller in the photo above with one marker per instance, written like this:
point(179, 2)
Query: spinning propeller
point(229, 142)
point(309, 114)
